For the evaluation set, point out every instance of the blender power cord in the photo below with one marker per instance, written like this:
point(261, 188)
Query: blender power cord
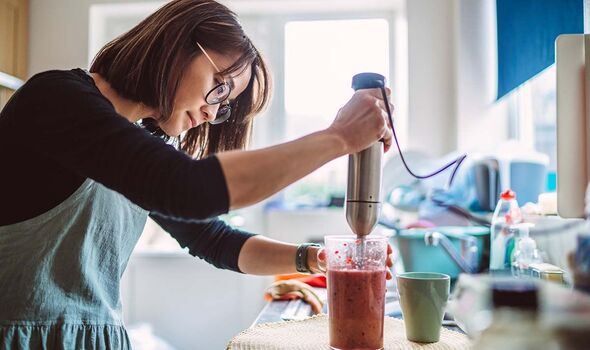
point(457, 161)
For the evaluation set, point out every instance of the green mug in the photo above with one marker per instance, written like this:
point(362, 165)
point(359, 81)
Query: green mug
point(423, 297)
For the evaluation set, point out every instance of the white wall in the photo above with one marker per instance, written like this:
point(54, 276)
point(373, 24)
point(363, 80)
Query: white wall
point(58, 32)
point(432, 81)
point(482, 122)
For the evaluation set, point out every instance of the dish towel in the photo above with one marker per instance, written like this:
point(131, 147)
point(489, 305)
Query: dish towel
point(294, 289)
point(312, 334)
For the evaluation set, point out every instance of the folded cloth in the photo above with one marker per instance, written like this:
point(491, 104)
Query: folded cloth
point(314, 280)
point(317, 280)
point(294, 289)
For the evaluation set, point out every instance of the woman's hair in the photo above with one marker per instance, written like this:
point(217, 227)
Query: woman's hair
point(147, 63)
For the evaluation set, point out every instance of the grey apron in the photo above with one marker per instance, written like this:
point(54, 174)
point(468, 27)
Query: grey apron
point(60, 272)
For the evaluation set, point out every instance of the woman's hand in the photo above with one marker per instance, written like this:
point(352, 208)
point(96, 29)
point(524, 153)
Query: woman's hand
point(363, 121)
point(317, 261)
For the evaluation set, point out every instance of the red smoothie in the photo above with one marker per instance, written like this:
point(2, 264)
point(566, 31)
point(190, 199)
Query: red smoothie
point(356, 301)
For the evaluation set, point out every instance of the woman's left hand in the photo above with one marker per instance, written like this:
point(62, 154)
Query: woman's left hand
point(318, 261)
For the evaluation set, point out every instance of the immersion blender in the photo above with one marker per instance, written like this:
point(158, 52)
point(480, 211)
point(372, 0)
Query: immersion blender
point(363, 204)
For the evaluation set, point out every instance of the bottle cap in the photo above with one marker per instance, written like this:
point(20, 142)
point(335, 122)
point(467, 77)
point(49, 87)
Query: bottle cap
point(508, 194)
point(516, 294)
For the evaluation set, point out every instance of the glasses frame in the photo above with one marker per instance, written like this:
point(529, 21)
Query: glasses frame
point(224, 110)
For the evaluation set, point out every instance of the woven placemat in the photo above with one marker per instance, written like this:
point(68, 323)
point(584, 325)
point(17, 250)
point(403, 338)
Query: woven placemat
point(312, 334)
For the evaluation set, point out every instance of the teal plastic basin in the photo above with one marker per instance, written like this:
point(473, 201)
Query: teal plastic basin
point(418, 257)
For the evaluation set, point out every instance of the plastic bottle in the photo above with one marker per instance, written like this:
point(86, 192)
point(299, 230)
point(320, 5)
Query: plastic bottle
point(507, 213)
point(525, 252)
point(515, 322)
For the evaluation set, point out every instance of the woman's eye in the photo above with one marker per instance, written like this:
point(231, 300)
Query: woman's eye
point(221, 89)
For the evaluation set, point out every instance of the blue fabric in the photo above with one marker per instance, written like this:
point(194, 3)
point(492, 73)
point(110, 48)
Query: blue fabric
point(527, 30)
point(60, 272)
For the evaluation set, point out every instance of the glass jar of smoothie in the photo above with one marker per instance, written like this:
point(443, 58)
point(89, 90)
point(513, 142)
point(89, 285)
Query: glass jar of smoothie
point(356, 291)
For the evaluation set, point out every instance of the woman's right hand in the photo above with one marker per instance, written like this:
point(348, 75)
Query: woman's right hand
point(318, 262)
point(363, 121)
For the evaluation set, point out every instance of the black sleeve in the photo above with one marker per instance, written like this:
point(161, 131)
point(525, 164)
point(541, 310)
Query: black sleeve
point(212, 240)
point(73, 124)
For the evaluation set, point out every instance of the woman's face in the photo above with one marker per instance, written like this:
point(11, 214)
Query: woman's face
point(190, 107)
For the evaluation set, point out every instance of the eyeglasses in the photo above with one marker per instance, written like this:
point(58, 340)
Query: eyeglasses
point(218, 95)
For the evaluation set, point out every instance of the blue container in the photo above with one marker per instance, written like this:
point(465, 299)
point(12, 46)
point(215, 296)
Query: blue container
point(418, 257)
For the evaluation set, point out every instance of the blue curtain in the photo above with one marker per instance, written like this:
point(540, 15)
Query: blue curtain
point(527, 30)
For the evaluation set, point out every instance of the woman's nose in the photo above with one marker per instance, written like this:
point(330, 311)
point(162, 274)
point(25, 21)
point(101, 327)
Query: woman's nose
point(210, 112)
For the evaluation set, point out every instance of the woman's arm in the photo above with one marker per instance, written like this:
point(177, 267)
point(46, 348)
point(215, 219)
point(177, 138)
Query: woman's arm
point(228, 248)
point(211, 240)
point(264, 256)
point(254, 175)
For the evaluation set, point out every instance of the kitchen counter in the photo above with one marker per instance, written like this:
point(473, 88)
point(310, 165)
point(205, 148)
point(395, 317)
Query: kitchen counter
point(282, 310)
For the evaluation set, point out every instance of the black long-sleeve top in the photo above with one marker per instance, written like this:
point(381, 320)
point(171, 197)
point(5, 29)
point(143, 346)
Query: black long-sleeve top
point(58, 129)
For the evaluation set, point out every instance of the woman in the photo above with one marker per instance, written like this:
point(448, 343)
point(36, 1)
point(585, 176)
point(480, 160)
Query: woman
point(76, 191)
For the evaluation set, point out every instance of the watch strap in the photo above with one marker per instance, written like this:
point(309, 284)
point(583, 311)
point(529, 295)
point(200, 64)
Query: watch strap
point(301, 257)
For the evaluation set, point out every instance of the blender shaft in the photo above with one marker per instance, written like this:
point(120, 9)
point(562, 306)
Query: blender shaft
point(363, 204)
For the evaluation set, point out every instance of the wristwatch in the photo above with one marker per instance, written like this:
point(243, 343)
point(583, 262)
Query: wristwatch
point(301, 257)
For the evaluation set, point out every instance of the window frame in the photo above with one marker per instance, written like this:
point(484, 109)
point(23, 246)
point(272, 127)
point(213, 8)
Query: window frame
point(523, 125)
point(272, 129)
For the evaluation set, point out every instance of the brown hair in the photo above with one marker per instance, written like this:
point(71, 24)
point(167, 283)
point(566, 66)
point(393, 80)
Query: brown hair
point(146, 65)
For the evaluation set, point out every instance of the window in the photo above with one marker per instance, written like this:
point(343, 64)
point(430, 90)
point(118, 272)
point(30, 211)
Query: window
point(537, 112)
point(544, 109)
point(317, 83)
